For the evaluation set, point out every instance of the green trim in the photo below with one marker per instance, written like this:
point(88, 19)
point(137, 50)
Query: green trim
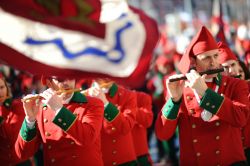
point(171, 109)
point(27, 133)
point(79, 98)
point(247, 154)
point(64, 119)
point(7, 103)
point(1, 120)
point(130, 163)
point(143, 160)
point(110, 112)
point(112, 90)
point(218, 79)
point(211, 101)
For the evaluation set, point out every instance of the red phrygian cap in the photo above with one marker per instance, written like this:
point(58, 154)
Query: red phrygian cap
point(225, 53)
point(202, 42)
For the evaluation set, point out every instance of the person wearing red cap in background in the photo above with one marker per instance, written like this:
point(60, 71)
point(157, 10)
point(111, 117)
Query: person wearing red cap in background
point(67, 125)
point(230, 62)
point(119, 120)
point(164, 67)
point(144, 119)
point(209, 110)
point(11, 117)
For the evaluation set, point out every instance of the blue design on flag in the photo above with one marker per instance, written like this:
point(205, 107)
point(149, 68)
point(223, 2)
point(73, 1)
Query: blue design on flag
point(89, 50)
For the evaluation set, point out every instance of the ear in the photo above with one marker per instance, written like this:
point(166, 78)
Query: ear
point(192, 62)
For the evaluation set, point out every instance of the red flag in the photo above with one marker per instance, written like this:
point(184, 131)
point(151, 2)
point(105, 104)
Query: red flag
point(53, 41)
point(217, 22)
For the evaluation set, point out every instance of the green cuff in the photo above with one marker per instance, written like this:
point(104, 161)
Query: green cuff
point(171, 109)
point(110, 112)
point(27, 133)
point(64, 119)
point(211, 101)
point(1, 119)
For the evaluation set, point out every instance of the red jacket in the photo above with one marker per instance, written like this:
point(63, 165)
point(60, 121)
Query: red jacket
point(246, 129)
point(119, 120)
point(217, 141)
point(72, 137)
point(144, 118)
point(13, 114)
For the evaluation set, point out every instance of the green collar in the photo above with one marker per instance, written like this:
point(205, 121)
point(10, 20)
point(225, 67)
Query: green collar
point(112, 90)
point(7, 103)
point(79, 98)
point(218, 79)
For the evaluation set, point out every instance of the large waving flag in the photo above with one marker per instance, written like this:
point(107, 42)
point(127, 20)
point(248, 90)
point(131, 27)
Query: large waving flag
point(64, 38)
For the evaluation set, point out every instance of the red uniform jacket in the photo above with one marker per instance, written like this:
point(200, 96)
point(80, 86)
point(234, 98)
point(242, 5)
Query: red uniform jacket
point(246, 129)
point(72, 137)
point(119, 120)
point(216, 142)
point(12, 115)
point(144, 118)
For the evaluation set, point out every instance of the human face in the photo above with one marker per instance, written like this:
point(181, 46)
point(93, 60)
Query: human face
point(3, 90)
point(231, 68)
point(65, 84)
point(207, 61)
point(241, 73)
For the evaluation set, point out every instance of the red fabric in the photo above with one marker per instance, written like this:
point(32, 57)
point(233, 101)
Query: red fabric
point(225, 53)
point(79, 144)
point(144, 118)
point(9, 130)
point(60, 13)
point(205, 138)
point(202, 42)
point(116, 136)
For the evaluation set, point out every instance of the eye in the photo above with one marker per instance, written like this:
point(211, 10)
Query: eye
point(216, 55)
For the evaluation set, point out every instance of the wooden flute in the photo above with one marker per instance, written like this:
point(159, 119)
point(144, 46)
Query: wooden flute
point(208, 72)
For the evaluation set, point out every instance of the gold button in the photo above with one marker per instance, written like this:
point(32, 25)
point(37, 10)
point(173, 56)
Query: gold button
point(105, 114)
point(213, 106)
point(64, 124)
point(45, 108)
point(114, 163)
point(49, 147)
point(193, 126)
point(113, 128)
point(114, 152)
point(225, 84)
point(195, 140)
point(217, 123)
point(53, 160)
point(188, 97)
point(207, 104)
point(217, 137)
point(72, 142)
point(222, 94)
point(198, 154)
point(217, 152)
point(45, 120)
point(7, 104)
point(47, 133)
point(192, 111)
point(114, 141)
